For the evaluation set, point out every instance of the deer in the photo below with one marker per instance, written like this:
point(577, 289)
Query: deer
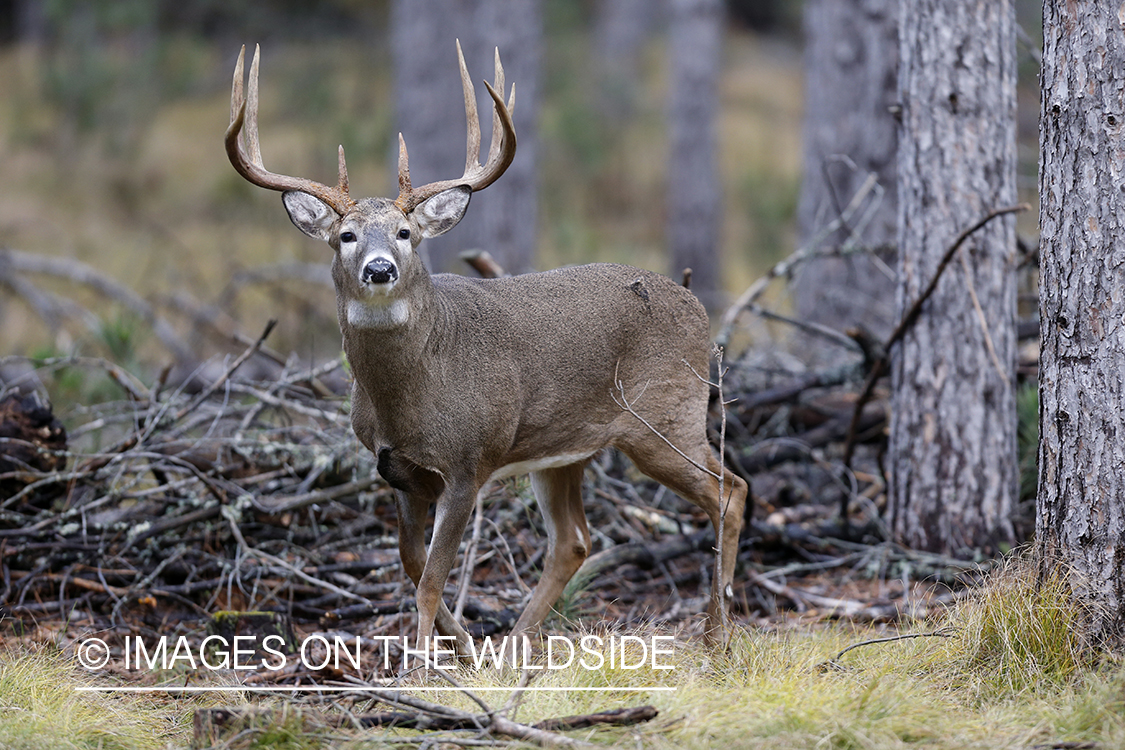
point(459, 381)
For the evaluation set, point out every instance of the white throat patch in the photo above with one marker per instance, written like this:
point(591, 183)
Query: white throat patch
point(377, 313)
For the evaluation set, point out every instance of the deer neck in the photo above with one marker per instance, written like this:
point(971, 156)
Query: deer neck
point(386, 339)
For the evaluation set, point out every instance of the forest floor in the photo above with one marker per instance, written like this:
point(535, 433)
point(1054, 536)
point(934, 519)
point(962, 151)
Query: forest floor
point(161, 516)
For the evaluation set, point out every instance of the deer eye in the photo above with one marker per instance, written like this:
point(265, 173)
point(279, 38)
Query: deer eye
point(347, 237)
point(404, 234)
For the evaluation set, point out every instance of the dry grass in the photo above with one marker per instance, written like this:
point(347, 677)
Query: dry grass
point(40, 708)
point(1013, 675)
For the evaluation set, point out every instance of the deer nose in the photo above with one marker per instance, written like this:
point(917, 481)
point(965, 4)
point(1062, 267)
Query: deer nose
point(379, 271)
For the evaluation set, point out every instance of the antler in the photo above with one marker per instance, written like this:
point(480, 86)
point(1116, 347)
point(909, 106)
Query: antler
point(245, 111)
point(500, 153)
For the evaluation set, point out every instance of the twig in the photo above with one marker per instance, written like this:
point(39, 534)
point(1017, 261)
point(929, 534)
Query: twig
point(915, 309)
point(907, 321)
point(833, 663)
point(470, 554)
point(816, 329)
point(783, 267)
point(971, 288)
point(286, 504)
point(228, 513)
point(626, 406)
point(483, 263)
point(209, 390)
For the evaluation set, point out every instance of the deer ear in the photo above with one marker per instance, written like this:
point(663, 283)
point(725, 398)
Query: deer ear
point(311, 215)
point(439, 214)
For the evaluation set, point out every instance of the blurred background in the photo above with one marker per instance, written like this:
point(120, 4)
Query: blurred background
point(660, 133)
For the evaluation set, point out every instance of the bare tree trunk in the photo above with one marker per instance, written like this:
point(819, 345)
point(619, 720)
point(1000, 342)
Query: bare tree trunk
point(621, 28)
point(503, 219)
point(428, 102)
point(694, 194)
point(851, 84)
point(953, 426)
point(1081, 503)
point(31, 22)
point(431, 115)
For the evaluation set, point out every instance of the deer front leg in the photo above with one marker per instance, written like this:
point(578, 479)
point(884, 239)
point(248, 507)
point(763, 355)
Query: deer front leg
point(412, 512)
point(450, 520)
point(559, 495)
point(416, 489)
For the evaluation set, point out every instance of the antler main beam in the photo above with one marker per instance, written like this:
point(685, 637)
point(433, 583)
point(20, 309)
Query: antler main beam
point(500, 153)
point(244, 126)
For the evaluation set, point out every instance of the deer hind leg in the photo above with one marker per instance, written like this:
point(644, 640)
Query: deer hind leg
point(558, 492)
point(656, 459)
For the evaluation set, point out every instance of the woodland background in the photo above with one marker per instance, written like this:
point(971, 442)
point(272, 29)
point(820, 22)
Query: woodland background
point(210, 469)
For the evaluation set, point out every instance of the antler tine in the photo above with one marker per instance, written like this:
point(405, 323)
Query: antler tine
point(244, 117)
point(501, 152)
point(342, 172)
point(404, 188)
point(498, 84)
point(236, 99)
point(251, 127)
point(472, 141)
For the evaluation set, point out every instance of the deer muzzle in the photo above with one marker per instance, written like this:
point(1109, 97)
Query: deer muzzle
point(380, 271)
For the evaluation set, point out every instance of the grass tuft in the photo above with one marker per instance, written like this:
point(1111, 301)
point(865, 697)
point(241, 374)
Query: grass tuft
point(40, 708)
point(1019, 632)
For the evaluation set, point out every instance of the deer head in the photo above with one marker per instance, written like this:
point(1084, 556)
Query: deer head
point(375, 239)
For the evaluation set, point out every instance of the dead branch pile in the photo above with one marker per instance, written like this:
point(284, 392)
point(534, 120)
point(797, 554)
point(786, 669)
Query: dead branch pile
point(166, 506)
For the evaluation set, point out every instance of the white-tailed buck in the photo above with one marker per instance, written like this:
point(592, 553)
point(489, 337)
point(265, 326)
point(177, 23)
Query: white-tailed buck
point(461, 380)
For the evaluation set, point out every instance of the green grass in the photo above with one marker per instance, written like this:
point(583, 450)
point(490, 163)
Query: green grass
point(1012, 672)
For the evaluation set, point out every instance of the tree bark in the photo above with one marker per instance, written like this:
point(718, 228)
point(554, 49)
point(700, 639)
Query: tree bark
point(694, 195)
point(431, 115)
point(1081, 501)
point(953, 427)
point(849, 132)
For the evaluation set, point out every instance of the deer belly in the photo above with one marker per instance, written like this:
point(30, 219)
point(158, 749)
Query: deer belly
point(536, 464)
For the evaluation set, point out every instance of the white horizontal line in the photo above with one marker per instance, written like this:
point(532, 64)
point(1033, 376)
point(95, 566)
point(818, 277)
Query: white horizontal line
point(357, 688)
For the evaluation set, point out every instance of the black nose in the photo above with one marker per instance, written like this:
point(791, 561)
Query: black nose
point(379, 271)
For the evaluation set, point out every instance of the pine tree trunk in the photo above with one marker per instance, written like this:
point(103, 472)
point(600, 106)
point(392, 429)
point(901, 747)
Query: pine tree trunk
point(851, 85)
point(694, 194)
point(953, 428)
point(621, 28)
point(431, 115)
point(429, 105)
point(1081, 503)
point(503, 218)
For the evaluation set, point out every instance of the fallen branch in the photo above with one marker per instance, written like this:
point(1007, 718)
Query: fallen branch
point(785, 267)
point(81, 273)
